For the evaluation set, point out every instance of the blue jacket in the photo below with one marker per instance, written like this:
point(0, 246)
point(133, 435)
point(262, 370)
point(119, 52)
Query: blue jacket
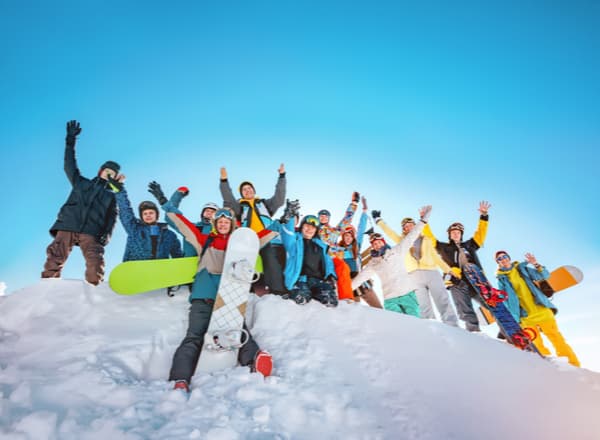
point(204, 226)
point(354, 263)
point(139, 241)
point(529, 275)
point(294, 246)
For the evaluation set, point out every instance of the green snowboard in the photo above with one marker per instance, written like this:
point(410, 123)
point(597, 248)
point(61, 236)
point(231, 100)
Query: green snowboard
point(133, 277)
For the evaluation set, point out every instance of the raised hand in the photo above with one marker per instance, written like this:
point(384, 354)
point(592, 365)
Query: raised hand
point(355, 196)
point(155, 189)
point(223, 173)
point(115, 182)
point(281, 169)
point(73, 130)
point(424, 213)
point(376, 214)
point(530, 258)
point(364, 203)
point(484, 207)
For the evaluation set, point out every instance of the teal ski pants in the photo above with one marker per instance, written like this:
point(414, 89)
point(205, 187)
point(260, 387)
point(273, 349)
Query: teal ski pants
point(405, 304)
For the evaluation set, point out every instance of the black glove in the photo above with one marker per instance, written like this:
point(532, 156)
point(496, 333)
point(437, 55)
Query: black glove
point(292, 208)
point(355, 197)
point(114, 184)
point(155, 189)
point(376, 215)
point(103, 239)
point(73, 130)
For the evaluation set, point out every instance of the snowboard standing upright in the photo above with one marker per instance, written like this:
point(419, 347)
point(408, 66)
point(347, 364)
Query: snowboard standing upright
point(494, 299)
point(225, 334)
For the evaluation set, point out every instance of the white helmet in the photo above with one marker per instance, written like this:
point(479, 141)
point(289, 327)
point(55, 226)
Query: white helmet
point(209, 205)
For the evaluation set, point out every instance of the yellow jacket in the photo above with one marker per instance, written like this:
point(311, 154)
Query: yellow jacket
point(430, 259)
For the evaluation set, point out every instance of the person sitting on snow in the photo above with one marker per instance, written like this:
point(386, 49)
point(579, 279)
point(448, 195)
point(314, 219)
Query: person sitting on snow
point(211, 249)
point(388, 264)
point(529, 305)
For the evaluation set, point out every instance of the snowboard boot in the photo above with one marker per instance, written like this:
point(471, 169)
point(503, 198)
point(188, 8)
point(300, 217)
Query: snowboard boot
point(263, 363)
point(182, 385)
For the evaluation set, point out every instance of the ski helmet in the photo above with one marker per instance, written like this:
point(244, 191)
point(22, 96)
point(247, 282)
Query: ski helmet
point(350, 230)
point(324, 212)
point(406, 220)
point(311, 220)
point(145, 205)
point(224, 213)
point(209, 205)
point(456, 227)
point(376, 236)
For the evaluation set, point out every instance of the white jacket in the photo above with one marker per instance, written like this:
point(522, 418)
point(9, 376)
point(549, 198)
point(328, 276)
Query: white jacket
point(391, 267)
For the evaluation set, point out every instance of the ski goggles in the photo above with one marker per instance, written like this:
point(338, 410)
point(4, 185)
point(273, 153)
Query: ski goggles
point(223, 213)
point(502, 257)
point(311, 220)
point(376, 236)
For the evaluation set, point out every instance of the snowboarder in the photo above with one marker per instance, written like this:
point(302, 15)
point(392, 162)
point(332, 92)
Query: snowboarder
point(388, 263)
point(211, 249)
point(256, 213)
point(528, 304)
point(422, 263)
point(457, 253)
point(87, 218)
point(146, 238)
point(206, 214)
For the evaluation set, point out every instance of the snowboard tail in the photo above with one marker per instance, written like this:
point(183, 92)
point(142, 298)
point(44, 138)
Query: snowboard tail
point(560, 279)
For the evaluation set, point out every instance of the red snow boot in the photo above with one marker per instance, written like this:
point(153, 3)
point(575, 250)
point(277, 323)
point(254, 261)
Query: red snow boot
point(182, 385)
point(263, 363)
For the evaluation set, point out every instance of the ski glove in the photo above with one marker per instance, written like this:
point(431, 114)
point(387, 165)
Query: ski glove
point(376, 215)
point(114, 184)
point(73, 130)
point(103, 239)
point(155, 189)
point(183, 190)
point(292, 208)
point(425, 212)
point(355, 197)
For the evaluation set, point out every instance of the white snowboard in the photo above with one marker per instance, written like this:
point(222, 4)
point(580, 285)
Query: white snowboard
point(225, 331)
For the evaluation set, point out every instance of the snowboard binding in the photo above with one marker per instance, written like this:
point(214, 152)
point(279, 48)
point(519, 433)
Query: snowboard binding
point(227, 340)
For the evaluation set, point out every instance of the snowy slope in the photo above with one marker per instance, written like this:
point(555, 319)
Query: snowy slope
point(78, 362)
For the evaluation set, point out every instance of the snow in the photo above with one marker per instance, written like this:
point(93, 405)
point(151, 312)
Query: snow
point(80, 362)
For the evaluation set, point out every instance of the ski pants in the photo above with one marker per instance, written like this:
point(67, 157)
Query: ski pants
point(463, 294)
point(405, 304)
point(314, 288)
point(431, 285)
point(273, 258)
point(344, 281)
point(187, 354)
point(550, 329)
point(59, 250)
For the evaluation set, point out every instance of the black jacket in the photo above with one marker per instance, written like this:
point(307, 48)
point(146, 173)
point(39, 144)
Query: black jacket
point(449, 251)
point(91, 207)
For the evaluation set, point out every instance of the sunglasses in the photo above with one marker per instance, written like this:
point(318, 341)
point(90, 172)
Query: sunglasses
point(223, 213)
point(312, 220)
point(502, 257)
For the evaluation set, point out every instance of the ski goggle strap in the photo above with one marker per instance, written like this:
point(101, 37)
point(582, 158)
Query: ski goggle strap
point(375, 236)
point(312, 220)
point(223, 212)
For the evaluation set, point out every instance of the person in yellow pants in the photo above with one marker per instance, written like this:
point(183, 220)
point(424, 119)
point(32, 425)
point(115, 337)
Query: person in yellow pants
point(529, 305)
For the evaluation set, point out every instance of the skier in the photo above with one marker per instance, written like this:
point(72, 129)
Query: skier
point(257, 213)
point(206, 214)
point(146, 238)
point(458, 253)
point(87, 218)
point(422, 263)
point(349, 250)
point(388, 263)
point(309, 271)
point(211, 249)
point(330, 235)
point(528, 304)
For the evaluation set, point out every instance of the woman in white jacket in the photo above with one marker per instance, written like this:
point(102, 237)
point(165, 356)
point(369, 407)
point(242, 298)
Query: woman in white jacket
point(388, 264)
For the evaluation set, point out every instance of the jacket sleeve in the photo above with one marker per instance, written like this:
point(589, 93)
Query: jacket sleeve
point(481, 231)
point(362, 227)
point(186, 228)
point(389, 231)
point(347, 219)
point(364, 275)
point(439, 261)
point(408, 240)
point(126, 213)
point(427, 232)
point(229, 201)
point(71, 169)
point(172, 205)
point(176, 251)
point(288, 234)
point(278, 199)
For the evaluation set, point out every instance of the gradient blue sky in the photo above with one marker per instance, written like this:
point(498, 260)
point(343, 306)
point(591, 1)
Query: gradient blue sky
point(408, 103)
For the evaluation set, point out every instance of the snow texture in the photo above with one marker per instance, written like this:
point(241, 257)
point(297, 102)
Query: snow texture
point(80, 362)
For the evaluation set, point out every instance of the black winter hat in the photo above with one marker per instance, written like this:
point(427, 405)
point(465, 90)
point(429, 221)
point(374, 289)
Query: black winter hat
point(145, 205)
point(244, 184)
point(111, 165)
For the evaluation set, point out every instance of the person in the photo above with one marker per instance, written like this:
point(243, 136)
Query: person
point(529, 305)
point(330, 236)
point(349, 250)
point(309, 272)
point(146, 238)
point(87, 218)
point(457, 253)
point(422, 263)
point(206, 214)
point(388, 264)
point(257, 214)
point(211, 248)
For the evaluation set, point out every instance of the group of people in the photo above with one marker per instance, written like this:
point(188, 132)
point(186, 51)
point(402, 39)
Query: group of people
point(303, 259)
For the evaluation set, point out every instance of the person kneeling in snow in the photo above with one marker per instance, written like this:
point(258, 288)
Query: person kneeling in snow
point(211, 249)
point(388, 264)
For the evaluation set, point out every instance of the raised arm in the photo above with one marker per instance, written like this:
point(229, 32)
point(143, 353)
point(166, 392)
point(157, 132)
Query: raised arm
point(482, 226)
point(278, 198)
point(229, 200)
point(71, 169)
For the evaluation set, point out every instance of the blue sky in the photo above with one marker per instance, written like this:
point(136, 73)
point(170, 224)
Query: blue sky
point(408, 103)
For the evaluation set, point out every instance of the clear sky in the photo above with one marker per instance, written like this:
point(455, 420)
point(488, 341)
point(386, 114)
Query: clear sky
point(408, 103)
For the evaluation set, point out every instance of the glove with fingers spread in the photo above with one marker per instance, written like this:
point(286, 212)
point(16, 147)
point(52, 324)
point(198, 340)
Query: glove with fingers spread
point(73, 130)
point(292, 208)
point(155, 189)
point(376, 214)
